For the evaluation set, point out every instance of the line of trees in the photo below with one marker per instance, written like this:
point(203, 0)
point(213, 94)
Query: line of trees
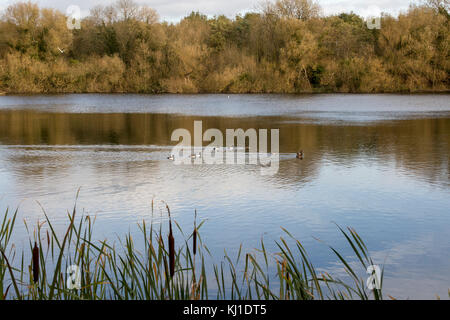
point(286, 47)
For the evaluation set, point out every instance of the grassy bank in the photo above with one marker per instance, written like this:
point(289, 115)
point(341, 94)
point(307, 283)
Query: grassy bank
point(168, 265)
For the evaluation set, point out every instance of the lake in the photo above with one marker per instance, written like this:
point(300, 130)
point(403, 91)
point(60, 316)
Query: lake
point(377, 163)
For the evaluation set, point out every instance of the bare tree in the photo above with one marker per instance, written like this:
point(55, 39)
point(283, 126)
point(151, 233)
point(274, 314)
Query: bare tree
point(127, 9)
point(439, 4)
point(103, 15)
point(23, 14)
point(147, 15)
point(297, 9)
point(123, 10)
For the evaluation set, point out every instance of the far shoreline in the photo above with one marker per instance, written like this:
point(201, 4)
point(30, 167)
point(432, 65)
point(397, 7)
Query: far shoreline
point(422, 92)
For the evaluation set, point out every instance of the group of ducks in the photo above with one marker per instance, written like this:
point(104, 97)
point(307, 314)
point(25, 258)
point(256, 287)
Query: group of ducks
point(197, 155)
point(193, 156)
point(299, 154)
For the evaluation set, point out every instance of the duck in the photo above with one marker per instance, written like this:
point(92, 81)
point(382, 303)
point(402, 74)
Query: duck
point(216, 149)
point(171, 157)
point(300, 155)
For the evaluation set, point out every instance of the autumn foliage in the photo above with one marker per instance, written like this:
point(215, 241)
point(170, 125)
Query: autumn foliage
point(286, 47)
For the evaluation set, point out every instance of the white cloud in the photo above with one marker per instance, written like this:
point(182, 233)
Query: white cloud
point(173, 10)
point(366, 8)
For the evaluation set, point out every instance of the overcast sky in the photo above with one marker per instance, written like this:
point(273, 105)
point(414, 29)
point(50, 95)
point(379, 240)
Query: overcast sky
point(173, 10)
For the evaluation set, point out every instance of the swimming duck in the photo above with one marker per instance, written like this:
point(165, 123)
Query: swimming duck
point(171, 157)
point(300, 155)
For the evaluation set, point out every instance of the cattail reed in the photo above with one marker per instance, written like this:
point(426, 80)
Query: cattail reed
point(194, 250)
point(194, 235)
point(287, 285)
point(171, 254)
point(114, 273)
point(35, 263)
point(171, 247)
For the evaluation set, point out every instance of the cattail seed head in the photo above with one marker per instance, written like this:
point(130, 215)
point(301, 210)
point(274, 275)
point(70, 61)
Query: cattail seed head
point(171, 254)
point(171, 246)
point(194, 235)
point(35, 263)
point(194, 244)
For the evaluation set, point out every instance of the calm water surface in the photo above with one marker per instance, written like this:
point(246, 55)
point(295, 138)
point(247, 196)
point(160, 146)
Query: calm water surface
point(378, 163)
